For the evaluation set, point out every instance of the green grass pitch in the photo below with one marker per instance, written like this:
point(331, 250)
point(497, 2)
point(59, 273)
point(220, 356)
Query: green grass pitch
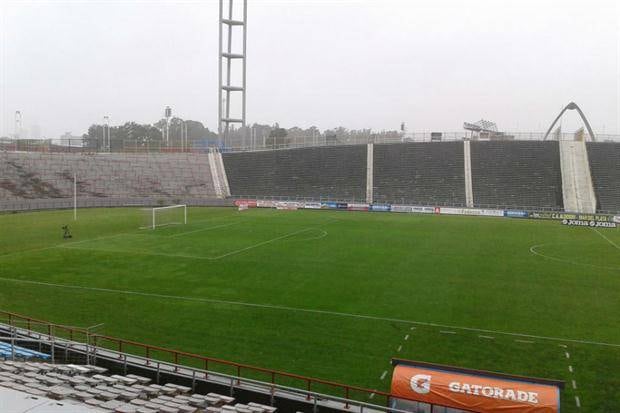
point(340, 293)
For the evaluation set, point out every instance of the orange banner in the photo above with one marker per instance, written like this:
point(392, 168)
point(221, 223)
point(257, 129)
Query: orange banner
point(476, 393)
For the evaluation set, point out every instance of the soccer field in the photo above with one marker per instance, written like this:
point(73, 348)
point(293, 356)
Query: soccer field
point(331, 294)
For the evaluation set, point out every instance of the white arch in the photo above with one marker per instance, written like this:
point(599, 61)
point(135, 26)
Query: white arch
point(571, 106)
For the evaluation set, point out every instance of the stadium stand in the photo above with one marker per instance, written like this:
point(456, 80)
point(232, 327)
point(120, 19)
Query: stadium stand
point(419, 173)
point(604, 160)
point(8, 351)
point(516, 174)
point(335, 172)
point(91, 386)
point(95, 373)
point(33, 175)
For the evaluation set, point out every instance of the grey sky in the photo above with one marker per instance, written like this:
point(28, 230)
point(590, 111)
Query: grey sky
point(359, 64)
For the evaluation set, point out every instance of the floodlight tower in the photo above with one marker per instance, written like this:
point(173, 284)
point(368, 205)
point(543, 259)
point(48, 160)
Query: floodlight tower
point(225, 58)
point(18, 124)
point(106, 133)
point(168, 115)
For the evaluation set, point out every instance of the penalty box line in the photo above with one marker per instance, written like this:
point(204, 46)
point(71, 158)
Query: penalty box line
point(607, 239)
point(195, 257)
point(303, 310)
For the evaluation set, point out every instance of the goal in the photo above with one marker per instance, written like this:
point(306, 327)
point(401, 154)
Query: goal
point(162, 216)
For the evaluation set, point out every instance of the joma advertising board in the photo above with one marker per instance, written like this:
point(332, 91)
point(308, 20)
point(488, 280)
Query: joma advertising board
point(570, 215)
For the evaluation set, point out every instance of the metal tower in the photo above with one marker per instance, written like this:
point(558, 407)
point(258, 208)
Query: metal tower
point(18, 124)
point(226, 57)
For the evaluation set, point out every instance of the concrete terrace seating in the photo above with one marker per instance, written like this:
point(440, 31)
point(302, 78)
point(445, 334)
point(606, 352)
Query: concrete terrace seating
point(337, 172)
point(604, 158)
point(419, 173)
point(516, 174)
point(114, 393)
point(33, 175)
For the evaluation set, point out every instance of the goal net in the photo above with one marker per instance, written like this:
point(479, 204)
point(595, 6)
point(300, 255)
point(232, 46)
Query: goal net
point(161, 216)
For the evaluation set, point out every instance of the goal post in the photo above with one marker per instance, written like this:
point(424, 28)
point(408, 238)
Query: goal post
point(162, 216)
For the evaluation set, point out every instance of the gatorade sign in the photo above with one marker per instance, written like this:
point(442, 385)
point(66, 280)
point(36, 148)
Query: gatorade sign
point(471, 390)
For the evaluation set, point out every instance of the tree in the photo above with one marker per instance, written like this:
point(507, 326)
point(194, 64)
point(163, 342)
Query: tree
point(278, 137)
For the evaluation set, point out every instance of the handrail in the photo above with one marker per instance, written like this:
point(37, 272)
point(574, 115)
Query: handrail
point(119, 342)
point(234, 380)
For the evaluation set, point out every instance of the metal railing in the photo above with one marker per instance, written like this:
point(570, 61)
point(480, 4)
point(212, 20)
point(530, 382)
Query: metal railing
point(78, 145)
point(156, 355)
point(231, 381)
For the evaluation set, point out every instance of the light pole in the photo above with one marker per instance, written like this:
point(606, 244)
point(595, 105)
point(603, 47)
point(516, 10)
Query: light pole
point(106, 133)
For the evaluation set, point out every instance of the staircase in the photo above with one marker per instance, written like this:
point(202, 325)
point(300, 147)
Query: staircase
point(469, 192)
point(577, 188)
point(218, 172)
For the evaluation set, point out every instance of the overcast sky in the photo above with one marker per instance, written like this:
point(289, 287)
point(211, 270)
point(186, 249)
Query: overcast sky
point(360, 64)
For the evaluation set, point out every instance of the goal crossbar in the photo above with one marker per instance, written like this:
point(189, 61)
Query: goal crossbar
point(156, 217)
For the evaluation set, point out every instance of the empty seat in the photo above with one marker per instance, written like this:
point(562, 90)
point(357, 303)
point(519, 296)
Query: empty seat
point(604, 159)
point(336, 172)
point(516, 174)
point(420, 173)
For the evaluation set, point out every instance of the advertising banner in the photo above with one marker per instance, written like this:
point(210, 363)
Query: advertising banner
point(330, 205)
point(342, 205)
point(265, 204)
point(357, 207)
point(412, 209)
point(249, 202)
point(571, 215)
point(592, 224)
point(473, 391)
point(380, 208)
point(472, 211)
point(616, 219)
point(288, 205)
point(515, 214)
point(312, 205)
point(492, 212)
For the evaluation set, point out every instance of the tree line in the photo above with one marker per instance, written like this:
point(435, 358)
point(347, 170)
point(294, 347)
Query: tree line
point(193, 134)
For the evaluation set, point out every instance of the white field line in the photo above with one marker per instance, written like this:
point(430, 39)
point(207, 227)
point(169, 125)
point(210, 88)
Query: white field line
point(407, 337)
point(134, 252)
point(195, 257)
point(574, 384)
point(533, 251)
point(607, 239)
point(567, 354)
point(577, 401)
point(59, 245)
point(305, 310)
point(399, 348)
point(486, 337)
point(570, 368)
point(525, 341)
point(11, 254)
point(260, 244)
point(93, 239)
point(383, 374)
point(447, 332)
point(203, 229)
point(323, 235)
